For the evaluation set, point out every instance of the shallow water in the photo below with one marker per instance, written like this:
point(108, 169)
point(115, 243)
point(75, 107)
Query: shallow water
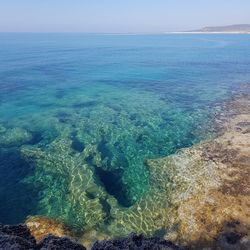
point(80, 115)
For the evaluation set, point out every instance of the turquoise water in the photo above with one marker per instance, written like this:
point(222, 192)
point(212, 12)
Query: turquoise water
point(80, 115)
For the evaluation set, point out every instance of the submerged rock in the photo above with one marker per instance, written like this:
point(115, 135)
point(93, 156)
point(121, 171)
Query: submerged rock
point(90, 237)
point(14, 137)
point(71, 191)
point(41, 226)
point(2, 128)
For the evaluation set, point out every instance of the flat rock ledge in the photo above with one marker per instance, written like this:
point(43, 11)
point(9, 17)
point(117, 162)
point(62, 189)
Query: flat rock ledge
point(18, 237)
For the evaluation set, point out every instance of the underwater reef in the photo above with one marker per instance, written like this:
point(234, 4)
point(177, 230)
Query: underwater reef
point(89, 167)
point(196, 198)
point(14, 136)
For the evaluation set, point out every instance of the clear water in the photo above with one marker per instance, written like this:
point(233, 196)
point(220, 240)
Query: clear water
point(80, 114)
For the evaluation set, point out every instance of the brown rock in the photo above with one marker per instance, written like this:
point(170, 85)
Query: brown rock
point(41, 226)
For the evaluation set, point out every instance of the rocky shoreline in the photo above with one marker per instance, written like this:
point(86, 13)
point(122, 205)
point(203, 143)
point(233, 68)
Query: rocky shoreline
point(18, 237)
point(216, 213)
point(212, 196)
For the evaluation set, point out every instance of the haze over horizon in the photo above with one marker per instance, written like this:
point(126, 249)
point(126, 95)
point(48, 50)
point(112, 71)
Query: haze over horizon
point(116, 16)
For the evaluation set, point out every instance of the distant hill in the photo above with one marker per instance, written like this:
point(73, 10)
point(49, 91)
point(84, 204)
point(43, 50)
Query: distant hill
point(238, 28)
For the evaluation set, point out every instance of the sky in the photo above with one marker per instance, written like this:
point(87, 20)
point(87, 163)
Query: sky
point(119, 16)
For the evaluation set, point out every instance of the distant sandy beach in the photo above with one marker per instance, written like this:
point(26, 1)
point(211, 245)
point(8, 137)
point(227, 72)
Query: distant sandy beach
point(209, 33)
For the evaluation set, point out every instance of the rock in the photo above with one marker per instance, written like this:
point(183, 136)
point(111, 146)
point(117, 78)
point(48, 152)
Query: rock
point(90, 237)
point(14, 137)
point(135, 242)
point(13, 242)
point(234, 235)
point(76, 186)
point(41, 226)
point(56, 243)
point(2, 128)
point(16, 237)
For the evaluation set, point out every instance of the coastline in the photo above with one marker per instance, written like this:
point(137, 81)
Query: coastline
point(219, 205)
point(199, 197)
point(208, 33)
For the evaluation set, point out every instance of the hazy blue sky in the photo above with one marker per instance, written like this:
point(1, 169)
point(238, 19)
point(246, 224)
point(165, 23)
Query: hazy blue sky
point(119, 15)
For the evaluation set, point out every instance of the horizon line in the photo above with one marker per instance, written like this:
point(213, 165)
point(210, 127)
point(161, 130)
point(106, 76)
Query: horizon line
point(125, 33)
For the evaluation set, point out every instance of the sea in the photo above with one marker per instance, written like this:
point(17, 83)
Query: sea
point(80, 115)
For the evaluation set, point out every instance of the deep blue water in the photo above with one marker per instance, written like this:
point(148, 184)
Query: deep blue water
point(108, 103)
